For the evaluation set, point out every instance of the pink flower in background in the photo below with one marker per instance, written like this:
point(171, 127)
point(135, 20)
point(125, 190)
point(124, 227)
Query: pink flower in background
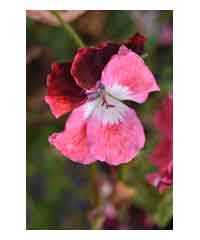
point(100, 127)
point(166, 35)
point(162, 155)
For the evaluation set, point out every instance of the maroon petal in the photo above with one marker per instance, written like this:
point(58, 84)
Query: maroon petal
point(63, 94)
point(136, 43)
point(88, 64)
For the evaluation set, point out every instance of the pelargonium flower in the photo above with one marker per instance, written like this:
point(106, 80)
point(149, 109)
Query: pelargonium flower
point(93, 86)
point(162, 155)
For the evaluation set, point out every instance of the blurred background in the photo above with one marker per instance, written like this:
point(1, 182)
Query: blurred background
point(60, 193)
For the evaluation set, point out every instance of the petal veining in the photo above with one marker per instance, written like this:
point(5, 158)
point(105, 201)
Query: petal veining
point(126, 71)
point(115, 136)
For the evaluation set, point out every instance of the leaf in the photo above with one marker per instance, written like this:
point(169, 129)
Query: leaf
point(54, 38)
point(164, 210)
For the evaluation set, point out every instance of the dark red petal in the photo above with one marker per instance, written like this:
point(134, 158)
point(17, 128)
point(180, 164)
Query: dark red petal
point(88, 64)
point(136, 43)
point(63, 94)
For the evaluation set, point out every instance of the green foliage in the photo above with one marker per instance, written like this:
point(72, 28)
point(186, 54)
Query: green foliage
point(119, 25)
point(52, 184)
point(55, 38)
point(164, 210)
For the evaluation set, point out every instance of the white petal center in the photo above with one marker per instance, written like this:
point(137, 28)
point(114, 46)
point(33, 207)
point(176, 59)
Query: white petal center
point(106, 109)
point(118, 91)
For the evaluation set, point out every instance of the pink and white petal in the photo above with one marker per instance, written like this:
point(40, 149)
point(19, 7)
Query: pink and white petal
point(72, 142)
point(127, 77)
point(115, 134)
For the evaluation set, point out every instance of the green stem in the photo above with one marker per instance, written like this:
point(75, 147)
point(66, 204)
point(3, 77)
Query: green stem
point(68, 29)
point(94, 174)
point(120, 172)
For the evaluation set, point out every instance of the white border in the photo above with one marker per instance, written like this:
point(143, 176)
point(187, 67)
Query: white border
point(101, 4)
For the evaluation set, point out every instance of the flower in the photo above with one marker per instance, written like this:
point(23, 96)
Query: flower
point(93, 86)
point(162, 155)
point(166, 35)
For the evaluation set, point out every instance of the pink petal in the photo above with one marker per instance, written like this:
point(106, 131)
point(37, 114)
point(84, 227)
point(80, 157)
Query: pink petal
point(127, 70)
point(117, 141)
point(154, 179)
point(160, 180)
point(63, 94)
point(164, 117)
point(162, 154)
point(162, 187)
point(72, 142)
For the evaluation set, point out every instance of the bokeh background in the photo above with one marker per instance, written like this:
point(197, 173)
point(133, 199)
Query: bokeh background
point(60, 192)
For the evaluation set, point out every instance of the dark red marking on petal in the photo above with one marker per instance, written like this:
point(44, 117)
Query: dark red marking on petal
point(63, 94)
point(136, 43)
point(88, 64)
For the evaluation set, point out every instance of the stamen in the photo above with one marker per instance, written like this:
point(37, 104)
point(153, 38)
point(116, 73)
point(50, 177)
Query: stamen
point(105, 103)
point(92, 95)
point(98, 91)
